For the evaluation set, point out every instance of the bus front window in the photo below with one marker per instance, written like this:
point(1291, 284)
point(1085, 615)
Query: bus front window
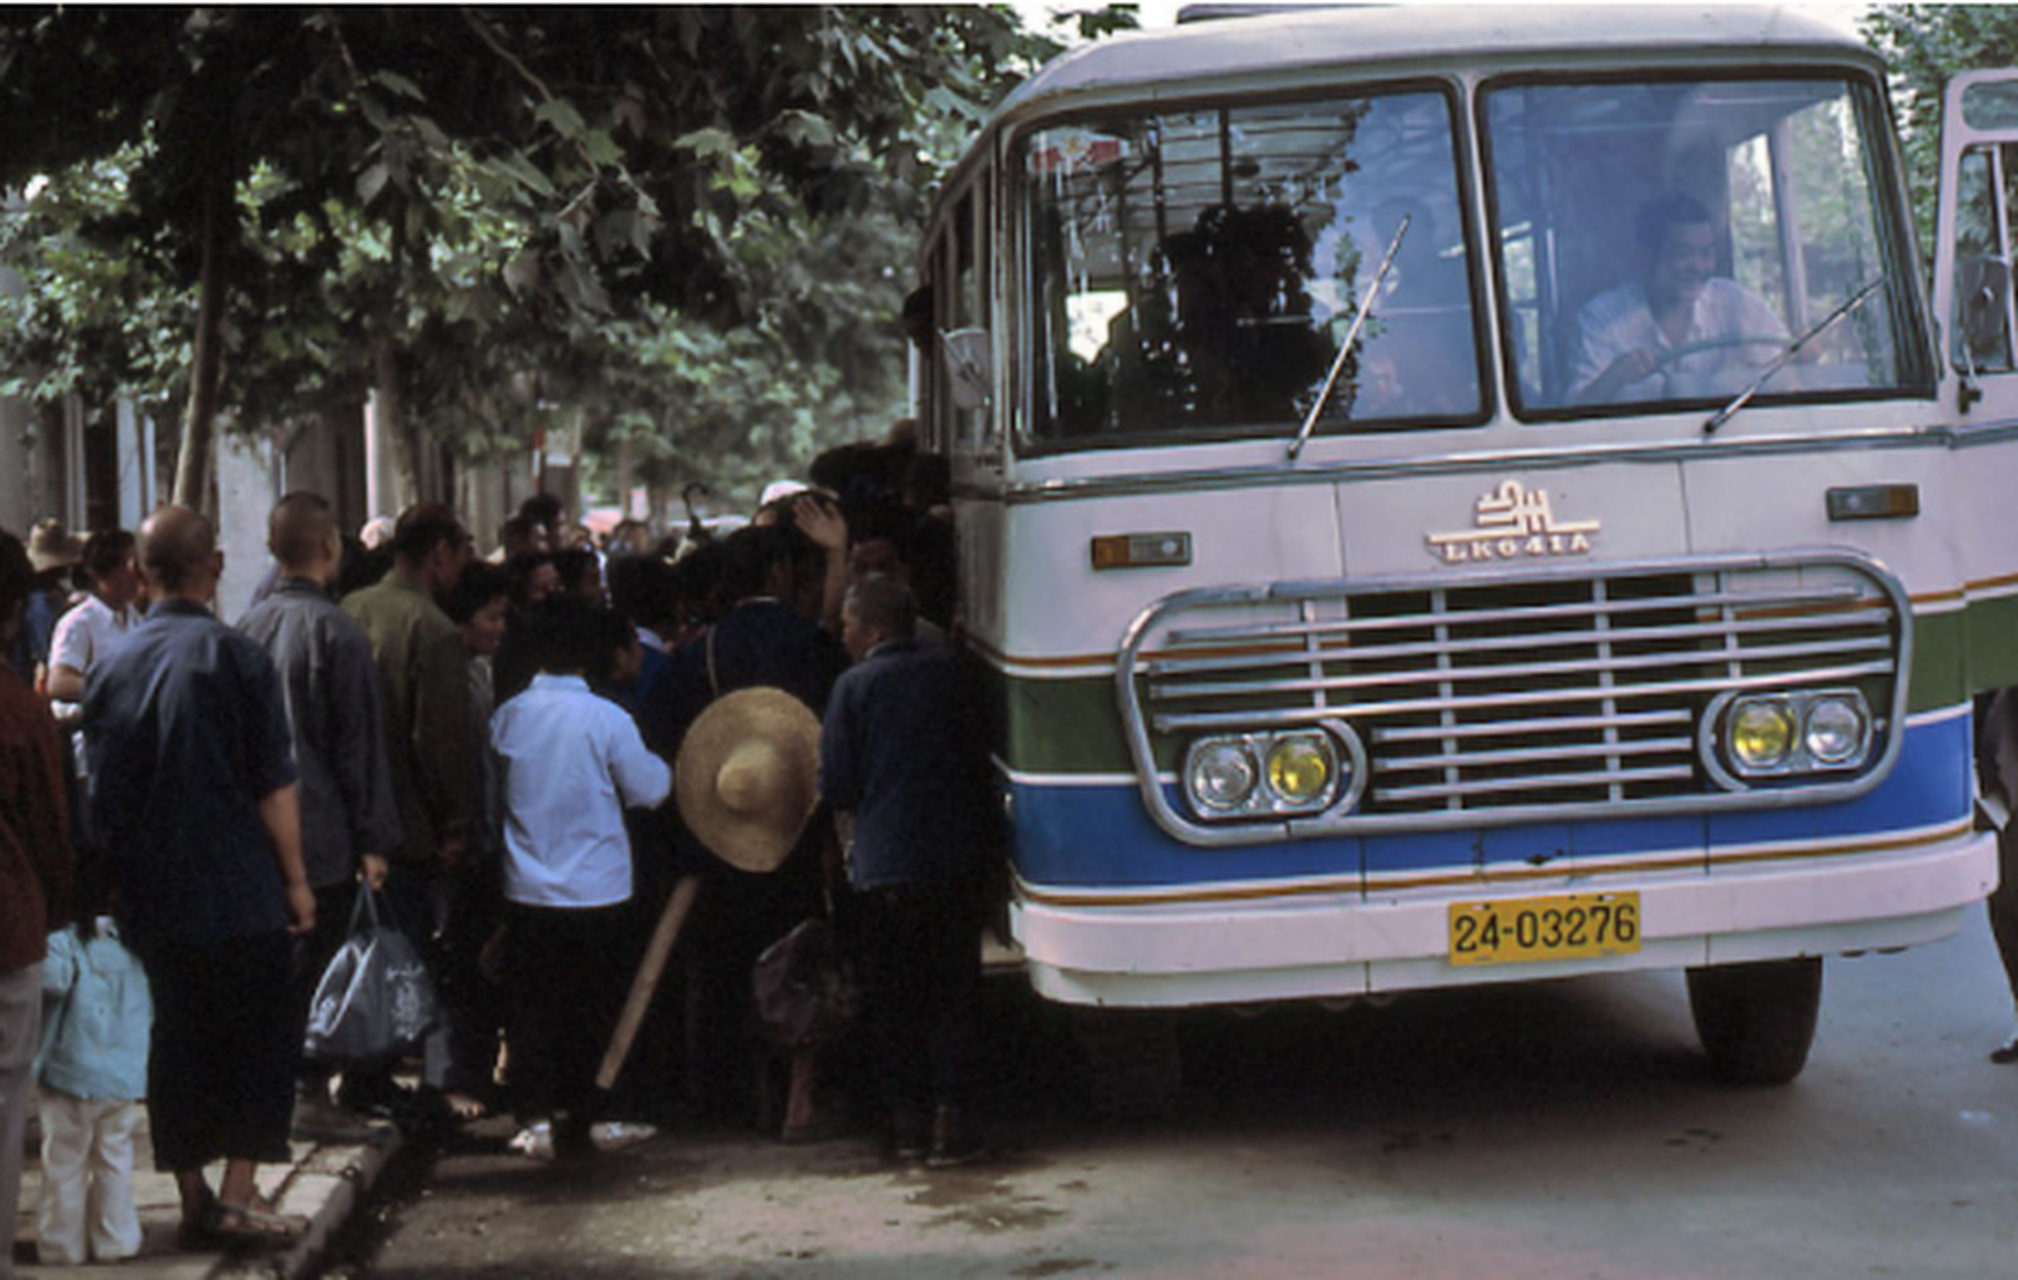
point(1193, 272)
point(1751, 217)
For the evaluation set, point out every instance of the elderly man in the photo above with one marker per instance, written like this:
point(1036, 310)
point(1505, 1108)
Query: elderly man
point(432, 744)
point(903, 754)
point(329, 686)
point(193, 792)
point(34, 872)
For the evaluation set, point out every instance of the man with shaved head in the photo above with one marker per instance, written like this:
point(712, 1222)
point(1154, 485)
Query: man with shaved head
point(193, 793)
point(329, 686)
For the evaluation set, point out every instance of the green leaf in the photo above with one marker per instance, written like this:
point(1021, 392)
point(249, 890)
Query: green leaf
point(601, 147)
point(431, 133)
point(528, 173)
point(563, 117)
point(803, 128)
point(371, 182)
point(400, 85)
point(707, 143)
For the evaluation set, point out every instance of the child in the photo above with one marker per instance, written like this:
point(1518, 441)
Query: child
point(569, 764)
point(93, 1070)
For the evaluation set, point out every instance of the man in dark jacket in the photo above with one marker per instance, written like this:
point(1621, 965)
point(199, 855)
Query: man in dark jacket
point(903, 755)
point(329, 687)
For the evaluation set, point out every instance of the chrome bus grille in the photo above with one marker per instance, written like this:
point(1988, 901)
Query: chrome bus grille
point(1489, 699)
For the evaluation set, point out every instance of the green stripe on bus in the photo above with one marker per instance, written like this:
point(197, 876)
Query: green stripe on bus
point(1991, 630)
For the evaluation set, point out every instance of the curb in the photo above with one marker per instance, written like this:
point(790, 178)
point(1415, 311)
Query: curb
point(325, 1187)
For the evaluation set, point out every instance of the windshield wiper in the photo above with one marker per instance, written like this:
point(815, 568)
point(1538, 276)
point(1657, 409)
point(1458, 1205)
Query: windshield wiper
point(1827, 322)
point(1351, 336)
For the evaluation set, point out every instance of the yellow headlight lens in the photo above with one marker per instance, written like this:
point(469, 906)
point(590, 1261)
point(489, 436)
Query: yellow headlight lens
point(1300, 769)
point(1762, 733)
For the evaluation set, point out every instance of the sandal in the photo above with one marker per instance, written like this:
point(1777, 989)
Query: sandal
point(193, 1234)
point(463, 1108)
point(254, 1224)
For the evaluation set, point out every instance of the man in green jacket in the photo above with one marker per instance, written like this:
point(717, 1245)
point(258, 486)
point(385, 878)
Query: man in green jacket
point(431, 744)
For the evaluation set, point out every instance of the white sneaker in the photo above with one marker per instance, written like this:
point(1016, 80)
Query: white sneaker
point(535, 1141)
point(615, 1135)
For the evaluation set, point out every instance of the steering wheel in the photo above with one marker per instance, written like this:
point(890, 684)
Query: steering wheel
point(1673, 354)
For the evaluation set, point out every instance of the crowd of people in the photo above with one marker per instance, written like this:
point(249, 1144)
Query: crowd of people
point(522, 759)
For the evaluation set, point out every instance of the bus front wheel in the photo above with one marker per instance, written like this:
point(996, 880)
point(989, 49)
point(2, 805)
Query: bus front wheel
point(1757, 1021)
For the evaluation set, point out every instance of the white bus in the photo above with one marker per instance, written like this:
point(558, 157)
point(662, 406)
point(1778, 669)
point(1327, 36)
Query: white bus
point(1459, 496)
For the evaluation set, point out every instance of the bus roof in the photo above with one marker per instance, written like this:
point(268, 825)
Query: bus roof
point(1413, 36)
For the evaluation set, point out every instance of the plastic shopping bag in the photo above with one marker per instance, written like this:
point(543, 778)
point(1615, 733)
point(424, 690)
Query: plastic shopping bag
point(376, 999)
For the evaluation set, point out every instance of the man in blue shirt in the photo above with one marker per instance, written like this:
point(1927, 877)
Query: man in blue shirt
point(903, 752)
point(193, 790)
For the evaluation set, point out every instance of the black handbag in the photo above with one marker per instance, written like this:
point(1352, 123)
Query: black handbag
point(806, 995)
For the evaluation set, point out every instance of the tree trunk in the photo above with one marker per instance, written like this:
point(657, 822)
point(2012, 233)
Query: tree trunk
point(392, 424)
point(192, 463)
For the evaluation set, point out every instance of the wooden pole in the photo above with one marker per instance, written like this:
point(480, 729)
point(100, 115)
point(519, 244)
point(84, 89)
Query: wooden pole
point(646, 983)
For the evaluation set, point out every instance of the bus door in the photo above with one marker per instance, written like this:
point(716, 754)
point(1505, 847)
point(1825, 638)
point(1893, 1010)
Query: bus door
point(1978, 319)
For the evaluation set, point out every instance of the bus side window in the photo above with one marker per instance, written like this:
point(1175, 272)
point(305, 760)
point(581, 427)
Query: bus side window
point(1982, 322)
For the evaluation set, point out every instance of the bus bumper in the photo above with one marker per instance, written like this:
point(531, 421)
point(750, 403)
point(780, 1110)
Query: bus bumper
point(1268, 943)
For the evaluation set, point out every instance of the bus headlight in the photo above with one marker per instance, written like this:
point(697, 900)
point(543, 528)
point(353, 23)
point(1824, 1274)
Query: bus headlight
point(1761, 733)
point(1802, 731)
point(1301, 768)
point(1838, 729)
point(1220, 774)
point(1291, 773)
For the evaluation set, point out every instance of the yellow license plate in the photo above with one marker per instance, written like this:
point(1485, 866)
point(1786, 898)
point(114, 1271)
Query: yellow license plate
point(1569, 926)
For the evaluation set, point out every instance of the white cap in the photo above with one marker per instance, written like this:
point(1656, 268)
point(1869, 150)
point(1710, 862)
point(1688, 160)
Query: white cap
point(780, 489)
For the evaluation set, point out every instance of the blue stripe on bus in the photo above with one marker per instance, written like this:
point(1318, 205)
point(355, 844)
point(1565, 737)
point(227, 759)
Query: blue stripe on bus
point(1082, 836)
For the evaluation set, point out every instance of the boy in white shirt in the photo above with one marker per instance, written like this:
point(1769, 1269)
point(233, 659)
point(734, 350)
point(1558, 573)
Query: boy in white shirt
point(569, 763)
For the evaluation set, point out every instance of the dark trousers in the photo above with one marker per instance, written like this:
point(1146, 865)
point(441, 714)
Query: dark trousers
point(566, 973)
point(2004, 904)
point(917, 954)
point(448, 912)
point(226, 1043)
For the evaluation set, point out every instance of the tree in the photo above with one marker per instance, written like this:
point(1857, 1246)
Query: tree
point(1926, 46)
point(466, 208)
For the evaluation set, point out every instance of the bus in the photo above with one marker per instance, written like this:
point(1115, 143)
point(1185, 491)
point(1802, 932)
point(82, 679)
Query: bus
point(1463, 496)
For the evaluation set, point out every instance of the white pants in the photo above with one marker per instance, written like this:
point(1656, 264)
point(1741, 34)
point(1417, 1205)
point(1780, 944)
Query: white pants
point(87, 1180)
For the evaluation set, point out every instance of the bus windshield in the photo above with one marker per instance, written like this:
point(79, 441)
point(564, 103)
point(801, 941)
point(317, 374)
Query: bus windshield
point(1194, 270)
point(1659, 244)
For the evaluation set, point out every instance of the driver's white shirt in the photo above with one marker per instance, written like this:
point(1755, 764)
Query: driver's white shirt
point(1621, 320)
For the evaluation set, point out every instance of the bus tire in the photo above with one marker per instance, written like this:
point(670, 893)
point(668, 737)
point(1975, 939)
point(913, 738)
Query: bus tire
point(1757, 1021)
point(1134, 1062)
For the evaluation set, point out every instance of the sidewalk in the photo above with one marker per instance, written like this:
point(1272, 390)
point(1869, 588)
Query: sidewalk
point(325, 1182)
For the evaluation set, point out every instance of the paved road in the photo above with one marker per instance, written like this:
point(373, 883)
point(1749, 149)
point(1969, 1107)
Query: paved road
point(1563, 1131)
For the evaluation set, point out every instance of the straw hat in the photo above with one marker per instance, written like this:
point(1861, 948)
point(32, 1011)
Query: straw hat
point(747, 778)
point(50, 546)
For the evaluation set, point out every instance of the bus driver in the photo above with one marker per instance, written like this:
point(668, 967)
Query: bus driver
point(1632, 340)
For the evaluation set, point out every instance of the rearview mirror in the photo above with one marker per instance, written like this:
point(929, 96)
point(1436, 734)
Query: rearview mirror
point(968, 364)
point(1982, 294)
